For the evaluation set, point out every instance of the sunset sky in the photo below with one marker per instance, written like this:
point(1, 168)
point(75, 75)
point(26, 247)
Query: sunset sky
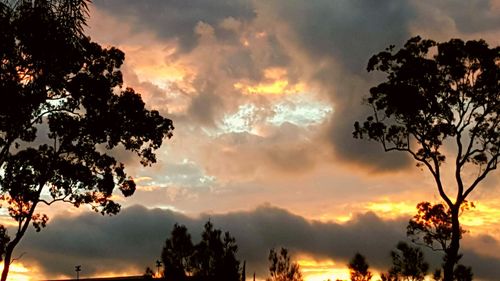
point(264, 95)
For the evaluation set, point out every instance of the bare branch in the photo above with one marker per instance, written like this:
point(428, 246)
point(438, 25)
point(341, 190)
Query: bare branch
point(18, 257)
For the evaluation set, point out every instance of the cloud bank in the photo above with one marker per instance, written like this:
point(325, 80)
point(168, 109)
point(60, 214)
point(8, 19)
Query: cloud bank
point(133, 240)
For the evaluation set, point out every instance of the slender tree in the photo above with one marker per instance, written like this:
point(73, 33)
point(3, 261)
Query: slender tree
point(436, 94)
point(282, 268)
point(359, 268)
point(62, 114)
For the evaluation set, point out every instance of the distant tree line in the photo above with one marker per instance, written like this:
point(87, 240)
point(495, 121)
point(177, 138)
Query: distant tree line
point(214, 257)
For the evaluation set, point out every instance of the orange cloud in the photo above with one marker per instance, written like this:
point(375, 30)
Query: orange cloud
point(20, 272)
point(276, 83)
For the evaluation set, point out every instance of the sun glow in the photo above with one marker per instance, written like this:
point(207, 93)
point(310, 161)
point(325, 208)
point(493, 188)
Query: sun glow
point(18, 272)
point(154, 64)
point(392, 209)
point(483, 218)
point(315, 270)
point(276, 82)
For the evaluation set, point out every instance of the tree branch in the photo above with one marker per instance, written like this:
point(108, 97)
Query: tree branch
point(62, 199)
point(492, 165)
point(18, 257)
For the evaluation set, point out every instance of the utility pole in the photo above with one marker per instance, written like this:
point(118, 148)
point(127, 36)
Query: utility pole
point(158, 266)
point(78, 268)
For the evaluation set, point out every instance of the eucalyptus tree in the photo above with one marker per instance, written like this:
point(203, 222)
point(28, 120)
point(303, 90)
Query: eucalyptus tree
point(64, 111)
point(436, 95)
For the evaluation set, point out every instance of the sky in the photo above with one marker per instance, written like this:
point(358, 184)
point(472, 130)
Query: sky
point(263, 96)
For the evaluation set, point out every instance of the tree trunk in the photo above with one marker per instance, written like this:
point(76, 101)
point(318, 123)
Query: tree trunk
point(7, 260)
point(451, 257)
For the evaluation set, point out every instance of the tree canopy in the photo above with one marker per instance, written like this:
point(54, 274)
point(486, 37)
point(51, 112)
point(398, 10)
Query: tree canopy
point(64, 112)
point(438, 94)
point(432, 225)
point(213, 258)
point(177, 254)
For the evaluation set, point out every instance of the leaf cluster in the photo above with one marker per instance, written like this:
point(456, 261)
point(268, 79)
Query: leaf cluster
point(432, 225)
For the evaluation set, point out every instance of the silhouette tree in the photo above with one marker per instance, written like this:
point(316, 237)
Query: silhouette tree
point(282, 268)
point(63, 112)
point(436, 92)
point(358, 268)
point(432, 225)
point(214, 257)
point(177, 253)
point(408, 264)
point(148, 274)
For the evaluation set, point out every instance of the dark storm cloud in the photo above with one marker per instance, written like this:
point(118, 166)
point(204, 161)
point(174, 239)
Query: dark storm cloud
point(177, 19)
point(134, 238)
point(349, 30)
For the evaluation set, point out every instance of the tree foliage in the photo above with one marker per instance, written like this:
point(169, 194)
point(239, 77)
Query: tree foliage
point(281, 268)
point(213, 258)
point(408, 264)
point(63, 113)
point(177, 253)
point(436, 94)
point(432, 225)
point(359, 268)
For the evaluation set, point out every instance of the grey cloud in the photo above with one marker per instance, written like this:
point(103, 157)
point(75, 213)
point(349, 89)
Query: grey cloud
point(336, 37)
point(177, 18)
point(346, 29)
point(339, 37)
point(134, 238)
point(204, 106)
point(471, 16)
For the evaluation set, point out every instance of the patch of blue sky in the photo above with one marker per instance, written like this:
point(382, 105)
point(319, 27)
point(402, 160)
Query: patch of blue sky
point(186, 173)
point(300, 111)
point(243, 120)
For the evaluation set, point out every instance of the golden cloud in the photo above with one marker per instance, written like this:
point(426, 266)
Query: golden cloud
point(276, 82)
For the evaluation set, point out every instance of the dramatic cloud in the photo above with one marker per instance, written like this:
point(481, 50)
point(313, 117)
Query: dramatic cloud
point(178, 19)
point(252, 47)
point(264, 95)
point(133, 240)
